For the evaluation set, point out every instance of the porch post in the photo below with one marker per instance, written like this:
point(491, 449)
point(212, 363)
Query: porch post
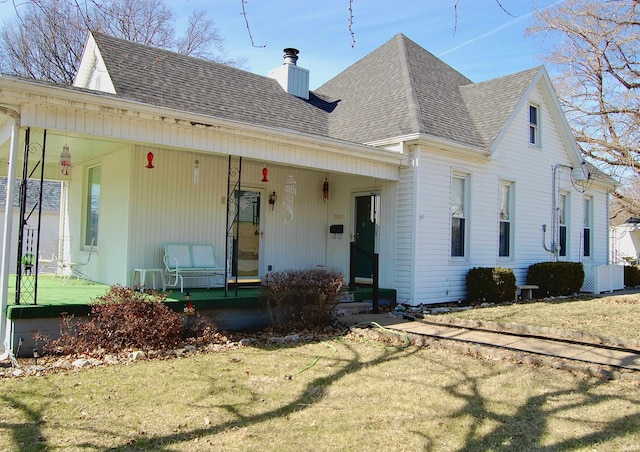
point(6, 238)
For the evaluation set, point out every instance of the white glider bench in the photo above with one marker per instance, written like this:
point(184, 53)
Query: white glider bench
point(190, 261)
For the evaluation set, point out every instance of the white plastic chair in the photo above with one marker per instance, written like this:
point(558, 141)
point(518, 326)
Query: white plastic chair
point(74, 267)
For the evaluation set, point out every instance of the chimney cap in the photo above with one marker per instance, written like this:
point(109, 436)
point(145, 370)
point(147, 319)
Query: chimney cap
point(290, 55)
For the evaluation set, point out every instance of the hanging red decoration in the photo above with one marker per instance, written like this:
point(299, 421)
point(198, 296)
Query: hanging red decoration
point(150, 160)
point(265, 171)
point(325, 190)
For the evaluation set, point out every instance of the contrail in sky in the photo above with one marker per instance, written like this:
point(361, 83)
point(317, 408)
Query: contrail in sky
point(495, 30)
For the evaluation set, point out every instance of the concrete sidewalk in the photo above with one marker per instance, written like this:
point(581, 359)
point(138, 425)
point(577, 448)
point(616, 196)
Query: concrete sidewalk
point(626, 359)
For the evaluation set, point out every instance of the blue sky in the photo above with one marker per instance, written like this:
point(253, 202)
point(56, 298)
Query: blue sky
point(483, 42)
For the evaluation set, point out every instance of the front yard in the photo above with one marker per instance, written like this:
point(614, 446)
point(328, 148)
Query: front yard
point(340, 393)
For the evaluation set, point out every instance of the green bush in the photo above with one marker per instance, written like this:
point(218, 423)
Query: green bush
point(556, 278)
point(301, 299)
point(490, 284)
point(121, 319)
point(631, 276)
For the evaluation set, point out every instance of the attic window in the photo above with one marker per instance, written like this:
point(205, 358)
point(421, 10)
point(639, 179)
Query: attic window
point(534, 121)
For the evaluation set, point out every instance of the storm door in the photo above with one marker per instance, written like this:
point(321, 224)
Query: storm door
point(247, 233)
point(367, 208)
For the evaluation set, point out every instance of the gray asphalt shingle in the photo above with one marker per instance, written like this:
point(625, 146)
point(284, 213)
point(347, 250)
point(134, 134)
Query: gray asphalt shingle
point(398, 89)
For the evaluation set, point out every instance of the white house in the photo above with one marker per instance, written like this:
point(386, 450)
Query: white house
point(399, 153)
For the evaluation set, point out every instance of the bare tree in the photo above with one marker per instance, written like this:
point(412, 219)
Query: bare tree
point(592, 47)
point(45, 38)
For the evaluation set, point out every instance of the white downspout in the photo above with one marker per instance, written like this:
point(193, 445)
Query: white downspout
point(5, 350)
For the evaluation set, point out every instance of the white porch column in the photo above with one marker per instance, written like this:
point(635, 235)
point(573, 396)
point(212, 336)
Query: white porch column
point(5, 347)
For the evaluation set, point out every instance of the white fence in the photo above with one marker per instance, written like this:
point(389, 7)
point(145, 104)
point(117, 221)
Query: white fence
point(603, 278)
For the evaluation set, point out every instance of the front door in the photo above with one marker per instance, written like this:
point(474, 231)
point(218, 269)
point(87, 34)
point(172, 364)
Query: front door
point(247, 234)
point(366, 216)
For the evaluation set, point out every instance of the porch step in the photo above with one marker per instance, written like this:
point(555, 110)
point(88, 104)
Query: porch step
point(353, 308)
point(346, 297)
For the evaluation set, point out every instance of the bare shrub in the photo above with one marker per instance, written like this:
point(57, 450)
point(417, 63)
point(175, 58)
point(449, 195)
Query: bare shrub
point(301, 299)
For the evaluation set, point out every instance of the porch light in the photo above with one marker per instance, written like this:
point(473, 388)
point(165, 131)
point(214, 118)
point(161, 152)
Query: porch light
point(150, 160)
point(196, 172)
point(65, 161)
point(265, 171)
point(325, 190)
point(272, 200)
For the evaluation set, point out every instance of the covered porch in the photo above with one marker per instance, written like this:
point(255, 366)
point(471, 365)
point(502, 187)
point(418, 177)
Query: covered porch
point(136, 177)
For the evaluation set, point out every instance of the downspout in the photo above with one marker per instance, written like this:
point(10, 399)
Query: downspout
point(5, 350)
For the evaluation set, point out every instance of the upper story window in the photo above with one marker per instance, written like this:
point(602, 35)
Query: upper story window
point(459, 215)
point(93, 205)
point(506, 219)
point(534, 125)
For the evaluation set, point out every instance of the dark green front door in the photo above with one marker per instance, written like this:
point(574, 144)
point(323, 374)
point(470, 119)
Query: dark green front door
point(366, 218)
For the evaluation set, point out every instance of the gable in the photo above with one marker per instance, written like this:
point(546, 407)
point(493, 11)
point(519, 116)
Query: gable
point(92, 72)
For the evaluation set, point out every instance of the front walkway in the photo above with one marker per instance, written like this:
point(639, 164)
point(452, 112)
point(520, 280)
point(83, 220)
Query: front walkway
point(551, 347)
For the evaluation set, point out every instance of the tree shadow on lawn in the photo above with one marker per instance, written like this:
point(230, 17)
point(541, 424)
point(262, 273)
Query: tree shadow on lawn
point(314, 392)
point(487, 429)
point(528, 427)
point(27, 434)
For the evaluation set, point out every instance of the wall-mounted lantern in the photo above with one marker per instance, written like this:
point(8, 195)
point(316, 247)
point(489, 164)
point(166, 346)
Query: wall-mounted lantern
point(196, 172)
point(272, 200)
point(325, 190)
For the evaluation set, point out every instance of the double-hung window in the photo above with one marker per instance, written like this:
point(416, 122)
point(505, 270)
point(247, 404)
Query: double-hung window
point(562, 224)
point(93, 205)
point(506, 218)
point(534, 125)
point(586, 229)
point(459, 215)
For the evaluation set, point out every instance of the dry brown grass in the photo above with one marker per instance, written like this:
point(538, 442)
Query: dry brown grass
point(340, 394)
point(613, 316)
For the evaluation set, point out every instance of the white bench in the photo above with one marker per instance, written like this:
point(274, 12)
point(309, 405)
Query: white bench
point(190, 261)
point(526, 291)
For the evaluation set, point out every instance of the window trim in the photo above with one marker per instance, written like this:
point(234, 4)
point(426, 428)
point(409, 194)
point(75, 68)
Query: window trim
point(510, 185)
point(465, 177)
point(87, 236)
point(563, 223)
point(534, 127)
point(587, 226)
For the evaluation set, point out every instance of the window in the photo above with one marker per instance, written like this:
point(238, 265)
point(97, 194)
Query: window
point(534, 121)
point(562, 225)
point(586, 229)
point(93, 205)
point(458, 215)
point(506, 220)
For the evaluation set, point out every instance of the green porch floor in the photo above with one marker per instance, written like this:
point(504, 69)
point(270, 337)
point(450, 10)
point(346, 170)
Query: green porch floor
point(74, 297)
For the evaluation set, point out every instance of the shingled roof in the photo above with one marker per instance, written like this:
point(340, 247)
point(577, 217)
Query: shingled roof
point(163, 78)
point(398, 89)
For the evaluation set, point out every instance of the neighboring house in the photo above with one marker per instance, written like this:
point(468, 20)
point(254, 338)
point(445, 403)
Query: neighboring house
point(625, 242)
point(49, 220)
point(435, 173)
